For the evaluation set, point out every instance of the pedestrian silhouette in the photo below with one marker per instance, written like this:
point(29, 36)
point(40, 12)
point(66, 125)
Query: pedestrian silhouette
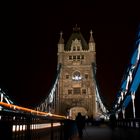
point(80, 121)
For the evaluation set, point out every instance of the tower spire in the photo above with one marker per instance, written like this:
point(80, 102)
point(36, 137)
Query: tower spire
point(61, 40)
point(91, 42)
point(91, 37)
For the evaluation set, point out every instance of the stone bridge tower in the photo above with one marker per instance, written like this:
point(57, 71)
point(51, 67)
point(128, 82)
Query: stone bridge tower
point(76, 83)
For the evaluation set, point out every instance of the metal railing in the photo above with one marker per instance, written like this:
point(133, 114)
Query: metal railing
point(128, 123)
point(22, 126)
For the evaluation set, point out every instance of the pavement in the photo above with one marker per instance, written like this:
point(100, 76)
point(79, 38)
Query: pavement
point(103, 132)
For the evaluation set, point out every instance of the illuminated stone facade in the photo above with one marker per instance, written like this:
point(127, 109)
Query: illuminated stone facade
point(76, 82)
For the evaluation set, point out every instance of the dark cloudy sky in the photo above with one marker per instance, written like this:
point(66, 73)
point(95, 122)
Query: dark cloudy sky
point(29, 53)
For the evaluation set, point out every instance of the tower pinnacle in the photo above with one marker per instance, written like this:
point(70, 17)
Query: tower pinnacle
point(61, 40)
point(76, 29)
point(91, 37)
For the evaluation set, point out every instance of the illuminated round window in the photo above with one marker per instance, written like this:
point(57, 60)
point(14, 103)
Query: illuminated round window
point(76, 76)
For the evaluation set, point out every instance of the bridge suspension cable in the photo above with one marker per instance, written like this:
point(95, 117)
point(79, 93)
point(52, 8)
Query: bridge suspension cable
point(46, 105)
point(4, 97)
point(130, 82)
point(101, 105)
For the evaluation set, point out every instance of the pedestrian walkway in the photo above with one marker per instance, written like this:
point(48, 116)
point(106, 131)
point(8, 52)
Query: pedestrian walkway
point(96, 133)
point(103, 132)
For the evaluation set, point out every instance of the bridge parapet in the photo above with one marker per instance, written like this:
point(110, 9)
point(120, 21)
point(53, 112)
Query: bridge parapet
point(17, 122)
point(128, 123)
point(17, 125)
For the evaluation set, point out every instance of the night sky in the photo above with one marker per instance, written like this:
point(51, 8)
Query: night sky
point(29, 53)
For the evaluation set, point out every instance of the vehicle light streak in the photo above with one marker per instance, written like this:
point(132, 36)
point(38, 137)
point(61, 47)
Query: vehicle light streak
point(39, 113)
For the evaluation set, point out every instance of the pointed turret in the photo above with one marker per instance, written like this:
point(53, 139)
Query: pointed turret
point(61, 40)
point(61, 43)
point(91, 37)
point(91, 42)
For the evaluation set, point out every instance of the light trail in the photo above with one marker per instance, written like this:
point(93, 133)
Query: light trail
point(39, 113)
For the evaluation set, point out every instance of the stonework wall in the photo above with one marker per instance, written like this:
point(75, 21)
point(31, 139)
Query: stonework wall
point(77, 90)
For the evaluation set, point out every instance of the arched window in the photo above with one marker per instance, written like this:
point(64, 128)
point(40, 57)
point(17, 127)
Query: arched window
point(76, 76)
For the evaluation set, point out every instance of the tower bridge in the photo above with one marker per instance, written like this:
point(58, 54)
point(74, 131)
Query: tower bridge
point(75, 90)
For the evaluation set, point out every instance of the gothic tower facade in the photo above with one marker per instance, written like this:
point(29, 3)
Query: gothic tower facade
point(77, 89)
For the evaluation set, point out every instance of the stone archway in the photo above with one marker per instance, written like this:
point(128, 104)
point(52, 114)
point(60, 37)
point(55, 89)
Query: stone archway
point(74, 111)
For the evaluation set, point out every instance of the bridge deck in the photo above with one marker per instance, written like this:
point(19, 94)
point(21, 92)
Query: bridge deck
point(96, 133)
point(105, 133)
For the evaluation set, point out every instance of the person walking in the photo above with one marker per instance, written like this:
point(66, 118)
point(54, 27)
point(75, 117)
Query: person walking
point(80, 121)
